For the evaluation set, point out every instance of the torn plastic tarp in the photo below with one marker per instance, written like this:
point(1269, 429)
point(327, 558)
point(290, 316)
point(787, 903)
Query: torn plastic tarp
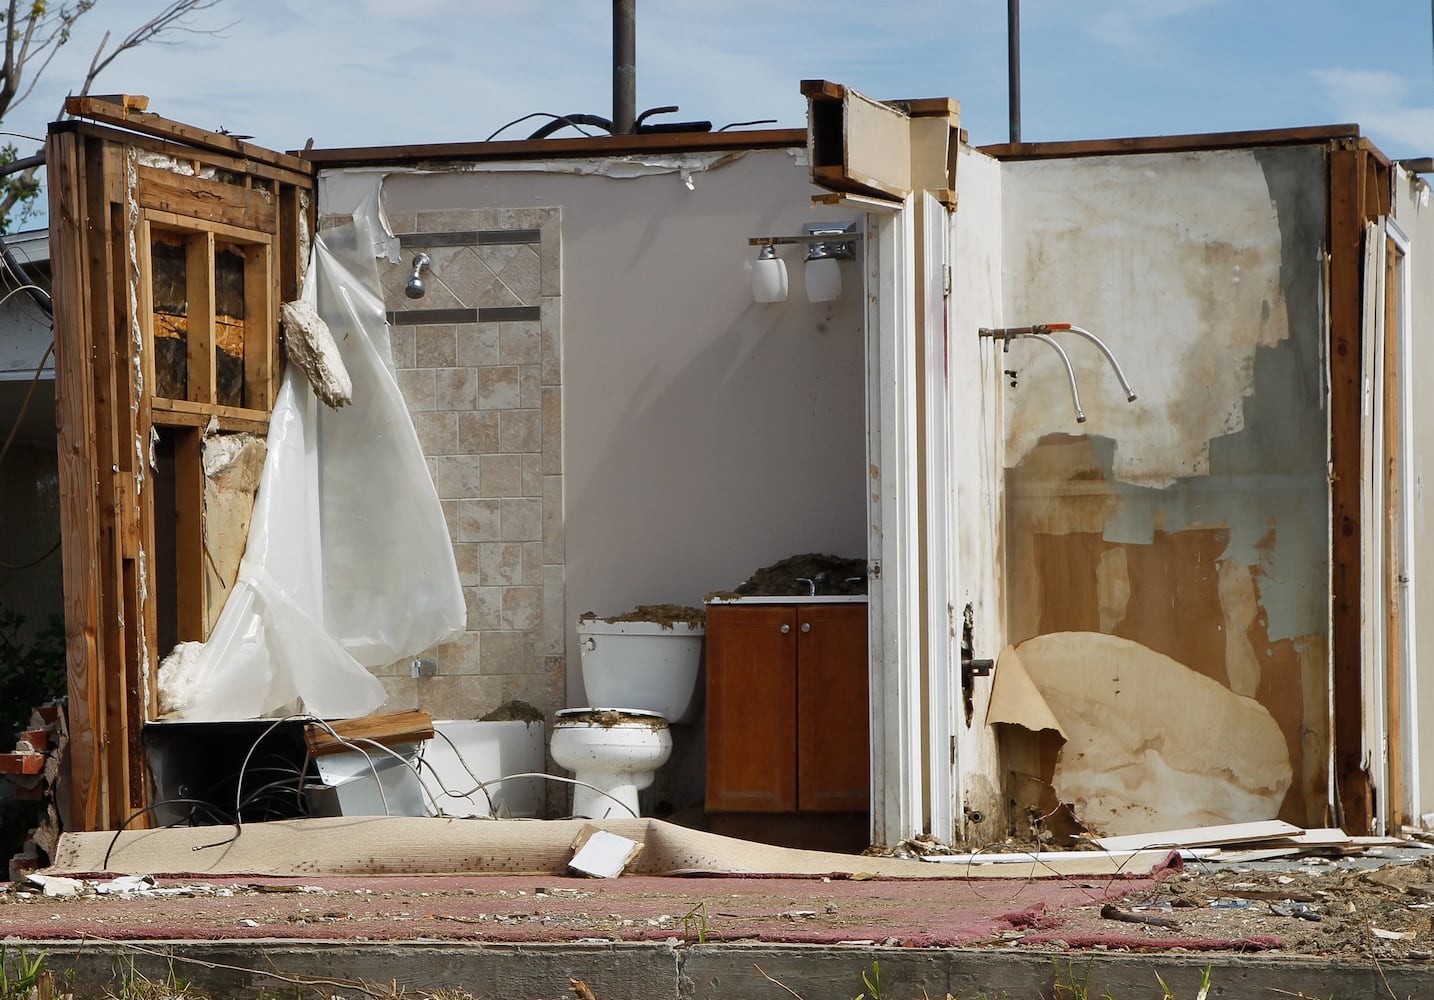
point(349, 564)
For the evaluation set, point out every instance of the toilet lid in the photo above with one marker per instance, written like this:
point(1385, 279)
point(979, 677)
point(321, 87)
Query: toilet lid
point(640, 713)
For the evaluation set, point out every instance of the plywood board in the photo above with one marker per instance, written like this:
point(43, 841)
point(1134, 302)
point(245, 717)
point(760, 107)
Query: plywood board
point(1207, 836)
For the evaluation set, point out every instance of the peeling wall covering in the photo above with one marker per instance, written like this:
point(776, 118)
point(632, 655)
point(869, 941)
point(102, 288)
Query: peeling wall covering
point(1195, 520)
point(232, 467)
point(1149, 743)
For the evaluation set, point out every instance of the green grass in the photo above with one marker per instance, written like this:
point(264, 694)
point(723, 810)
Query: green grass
point(24, 977)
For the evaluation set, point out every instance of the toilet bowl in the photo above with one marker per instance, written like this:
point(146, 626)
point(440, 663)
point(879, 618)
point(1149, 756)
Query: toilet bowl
point(613, 754)
point(640, 676)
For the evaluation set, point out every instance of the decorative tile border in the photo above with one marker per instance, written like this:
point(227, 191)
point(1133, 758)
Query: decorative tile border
point(486, 314)
point(471, 238)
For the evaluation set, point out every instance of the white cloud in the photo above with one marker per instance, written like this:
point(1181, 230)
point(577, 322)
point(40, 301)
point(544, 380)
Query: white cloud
point(1362, 87)
point(1127, 24)
point(1376, 101)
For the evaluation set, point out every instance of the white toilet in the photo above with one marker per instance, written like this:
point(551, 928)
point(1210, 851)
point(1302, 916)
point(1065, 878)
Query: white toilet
point(639, 676)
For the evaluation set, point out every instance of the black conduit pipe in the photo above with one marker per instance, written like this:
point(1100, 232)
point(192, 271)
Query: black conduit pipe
point(624, 67)
point(1013, 65)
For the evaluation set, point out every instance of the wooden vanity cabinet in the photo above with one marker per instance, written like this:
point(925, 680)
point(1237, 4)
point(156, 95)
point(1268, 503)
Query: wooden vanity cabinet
point(787, 724)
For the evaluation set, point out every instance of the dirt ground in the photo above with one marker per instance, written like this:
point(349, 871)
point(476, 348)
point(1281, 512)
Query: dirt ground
point(1315, 906)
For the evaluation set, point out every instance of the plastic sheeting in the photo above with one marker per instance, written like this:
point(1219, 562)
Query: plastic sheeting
point(348, 564)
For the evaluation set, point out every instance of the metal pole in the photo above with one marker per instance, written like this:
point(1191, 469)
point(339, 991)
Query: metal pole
point(624, 66)
point(1013, 64)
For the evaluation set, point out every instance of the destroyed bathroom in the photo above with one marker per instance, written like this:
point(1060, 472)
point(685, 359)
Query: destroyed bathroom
point(1023, 491)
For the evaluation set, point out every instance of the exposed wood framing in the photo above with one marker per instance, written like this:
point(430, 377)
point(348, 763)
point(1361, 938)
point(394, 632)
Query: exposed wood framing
point(128, 115)
point(1359, 191)
point(109, 191)
point(390, 729)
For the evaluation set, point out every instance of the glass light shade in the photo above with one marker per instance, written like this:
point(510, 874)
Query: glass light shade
point(769, 277)
point(823, 279)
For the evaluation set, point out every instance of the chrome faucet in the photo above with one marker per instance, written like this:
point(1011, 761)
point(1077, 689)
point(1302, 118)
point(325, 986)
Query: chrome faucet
point(812, 583)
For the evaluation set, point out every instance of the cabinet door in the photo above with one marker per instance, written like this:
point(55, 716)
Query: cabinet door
point(751, 709)
point(833, 745)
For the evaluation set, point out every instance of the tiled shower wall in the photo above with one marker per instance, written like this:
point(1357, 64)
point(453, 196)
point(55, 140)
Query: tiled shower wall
point(479, 362)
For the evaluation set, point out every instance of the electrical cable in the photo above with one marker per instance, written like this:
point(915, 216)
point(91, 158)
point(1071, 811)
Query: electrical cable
point(482, 785)
point(492, 809)
point(150, 808)
point(565, 119)
point(238, 820)
point(263, 790)
point(757, 121)
point(353, 744)
point(560, 778)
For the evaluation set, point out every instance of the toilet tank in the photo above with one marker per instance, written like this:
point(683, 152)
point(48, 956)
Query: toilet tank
point(643, 665)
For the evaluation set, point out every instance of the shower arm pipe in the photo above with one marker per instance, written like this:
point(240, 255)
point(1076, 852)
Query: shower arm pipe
point(1039, 332)
point(1080, 332)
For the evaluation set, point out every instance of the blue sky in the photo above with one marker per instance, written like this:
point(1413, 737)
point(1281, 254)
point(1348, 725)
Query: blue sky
point(366, 73)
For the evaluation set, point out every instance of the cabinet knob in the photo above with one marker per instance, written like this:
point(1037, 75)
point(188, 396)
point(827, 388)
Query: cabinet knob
point(786, 629)
point(806, 626)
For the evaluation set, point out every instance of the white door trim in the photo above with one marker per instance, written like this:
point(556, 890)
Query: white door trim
point(893, 544)
point(943, 659)
point(1409, 674)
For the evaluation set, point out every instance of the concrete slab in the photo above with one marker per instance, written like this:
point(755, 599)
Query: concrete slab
point(241, 969)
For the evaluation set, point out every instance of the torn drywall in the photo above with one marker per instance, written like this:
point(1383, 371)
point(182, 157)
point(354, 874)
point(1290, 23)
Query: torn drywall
point(309, 344)
point(233, 464)
point(1149, 743)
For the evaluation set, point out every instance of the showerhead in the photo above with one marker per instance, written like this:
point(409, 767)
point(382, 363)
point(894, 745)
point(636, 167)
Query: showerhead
point(415, 287)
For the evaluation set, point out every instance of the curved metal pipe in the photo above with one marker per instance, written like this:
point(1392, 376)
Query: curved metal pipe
point(1070, 371)
point(1129, 392)
point(39, 295)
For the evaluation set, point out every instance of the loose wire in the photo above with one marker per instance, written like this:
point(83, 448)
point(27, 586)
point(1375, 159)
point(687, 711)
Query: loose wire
point(537, 114)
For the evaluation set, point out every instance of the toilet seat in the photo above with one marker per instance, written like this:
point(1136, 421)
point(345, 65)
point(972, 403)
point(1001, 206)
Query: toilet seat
point(608, 716)
point(613, 753)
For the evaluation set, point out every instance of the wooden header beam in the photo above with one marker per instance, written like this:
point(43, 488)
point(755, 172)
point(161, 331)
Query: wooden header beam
point(128, 113)
point(1169, 143)
point(549, 149)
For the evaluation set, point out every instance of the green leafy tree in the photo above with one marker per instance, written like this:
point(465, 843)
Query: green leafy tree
point(35, 30)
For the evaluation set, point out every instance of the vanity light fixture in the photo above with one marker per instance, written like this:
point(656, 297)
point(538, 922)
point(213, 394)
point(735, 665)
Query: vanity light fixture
point(769, 276)
point(826, 242)
point(822, 274)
